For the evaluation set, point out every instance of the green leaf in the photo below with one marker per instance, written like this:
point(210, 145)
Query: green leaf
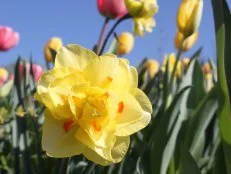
point(188, 164)
point(165, 136)
point(200, 121)
point(222, 18)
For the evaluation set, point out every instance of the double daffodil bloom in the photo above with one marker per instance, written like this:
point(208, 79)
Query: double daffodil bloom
point(92, 105)
point(142, 12)
point(189, 16)
point(171, 59)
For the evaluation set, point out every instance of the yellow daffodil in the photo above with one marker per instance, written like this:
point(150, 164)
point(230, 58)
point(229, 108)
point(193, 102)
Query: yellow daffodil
point(124, 43)
point(187, 42)
point(152, 67)
point(92, 105)
point(54, 43)
point(171, 62)
point(142, 12)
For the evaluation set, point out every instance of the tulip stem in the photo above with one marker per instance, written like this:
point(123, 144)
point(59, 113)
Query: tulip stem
point(102, 34)
point(127, 16)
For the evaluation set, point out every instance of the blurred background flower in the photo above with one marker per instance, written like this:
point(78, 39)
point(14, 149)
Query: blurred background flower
point(125, 43)
point(52, 45)
point(112, 8)
point(142, 12)
point(8, 38)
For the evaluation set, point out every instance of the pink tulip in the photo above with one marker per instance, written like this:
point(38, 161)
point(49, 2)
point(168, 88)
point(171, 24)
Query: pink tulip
point(112, 8)
point(37, 70)
point(8, 38)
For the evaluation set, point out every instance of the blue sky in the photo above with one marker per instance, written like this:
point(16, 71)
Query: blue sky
point(78, 21)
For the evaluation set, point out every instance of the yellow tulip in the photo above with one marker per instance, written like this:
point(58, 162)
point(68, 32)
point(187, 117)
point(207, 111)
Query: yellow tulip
point(142, 12)
point(92, 105)
point(171, 62)
point(189, 16)
point(187, 42)
point(185, 61)
point(125, 43)
point(54, 43)
point(152, 67)
point(207, 70)
point(3, 76)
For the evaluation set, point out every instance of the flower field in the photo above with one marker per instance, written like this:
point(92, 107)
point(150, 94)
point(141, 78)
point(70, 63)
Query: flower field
point(89, 111)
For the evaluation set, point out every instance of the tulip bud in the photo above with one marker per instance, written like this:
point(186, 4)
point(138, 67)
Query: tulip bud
point(152, 67)
point(207, 70)
point(125, 43)
point(187, 42)
point(54, 43)
point(112, 8)
point(3, 76)
point(171, 59)
point(185, 61)
point(37, 70)
point(8, 38)
point(189, 16)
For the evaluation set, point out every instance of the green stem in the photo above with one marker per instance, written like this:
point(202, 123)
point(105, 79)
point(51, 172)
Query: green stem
point(102, 34)
point(63, 166)
point(171, 169)
point(127, 16)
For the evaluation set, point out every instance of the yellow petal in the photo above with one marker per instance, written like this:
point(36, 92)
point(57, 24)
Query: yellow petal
point(117, 153)
point(143, 101)
point(101, 71)
point(58, 143)
point(74, 56)
point(104, 152)
point(133, 118)
point(126, 78)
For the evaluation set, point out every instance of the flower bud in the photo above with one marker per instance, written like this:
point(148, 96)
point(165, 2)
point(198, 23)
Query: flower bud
point(3, 76)
point(185, 61)
point(171, 59)
point(124, 43)
point(188, 42)
point(189, 16)
point(54, 43)
point(207, 70)
point(8, 38)
point(37, 70)
point(112, 8)
point(152, 67)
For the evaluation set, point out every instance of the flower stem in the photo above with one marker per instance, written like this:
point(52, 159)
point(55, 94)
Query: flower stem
point(102, 34)
point(127, 16)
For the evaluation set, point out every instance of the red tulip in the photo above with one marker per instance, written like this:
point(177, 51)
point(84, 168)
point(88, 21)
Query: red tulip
point(112, 8)
point(8, 38)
